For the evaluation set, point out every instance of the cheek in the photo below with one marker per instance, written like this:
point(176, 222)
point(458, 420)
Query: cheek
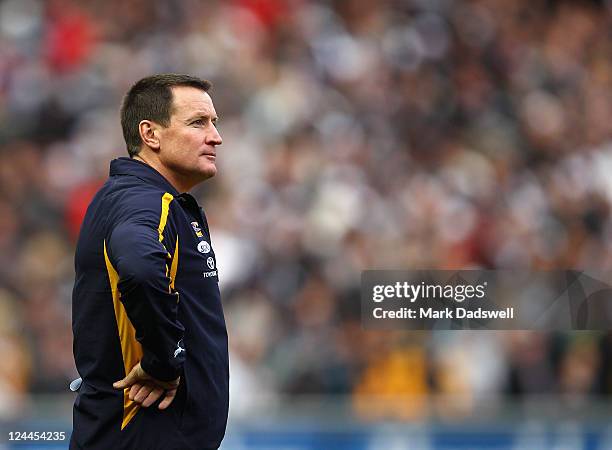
point(191, 140)
point(183, 145)
point(183, 148)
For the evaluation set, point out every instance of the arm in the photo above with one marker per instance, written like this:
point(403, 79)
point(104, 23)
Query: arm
point(142, 263)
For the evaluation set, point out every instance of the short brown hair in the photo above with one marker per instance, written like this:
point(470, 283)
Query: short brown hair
point(151, 99)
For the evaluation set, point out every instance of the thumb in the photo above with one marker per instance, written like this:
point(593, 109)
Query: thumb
point(128, 380)
point(122, 384)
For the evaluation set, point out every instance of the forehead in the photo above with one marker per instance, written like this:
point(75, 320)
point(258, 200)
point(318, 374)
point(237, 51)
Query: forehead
point(187, 100)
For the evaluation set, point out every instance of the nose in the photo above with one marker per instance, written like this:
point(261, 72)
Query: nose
point(213, 137)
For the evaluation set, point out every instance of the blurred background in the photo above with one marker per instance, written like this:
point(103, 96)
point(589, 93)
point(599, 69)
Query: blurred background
point(358, 134)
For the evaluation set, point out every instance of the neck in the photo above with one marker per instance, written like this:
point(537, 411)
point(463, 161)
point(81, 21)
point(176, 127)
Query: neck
point(172, 178)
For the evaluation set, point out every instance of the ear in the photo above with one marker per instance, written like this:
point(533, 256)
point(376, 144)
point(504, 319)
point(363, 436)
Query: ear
point(149, 133)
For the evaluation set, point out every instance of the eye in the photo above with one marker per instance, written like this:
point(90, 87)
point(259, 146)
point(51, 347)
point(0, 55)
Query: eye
point(197, 122)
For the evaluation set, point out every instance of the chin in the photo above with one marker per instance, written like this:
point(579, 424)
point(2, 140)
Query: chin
point(208, 172)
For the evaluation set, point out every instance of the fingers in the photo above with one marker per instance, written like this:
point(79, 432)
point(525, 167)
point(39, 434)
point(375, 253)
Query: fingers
point(142, 393)
point(152, 397)
point(145, 394)
point(134, 390)
point(170, 394)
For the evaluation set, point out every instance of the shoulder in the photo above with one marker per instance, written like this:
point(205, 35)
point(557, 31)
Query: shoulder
point(139, 202)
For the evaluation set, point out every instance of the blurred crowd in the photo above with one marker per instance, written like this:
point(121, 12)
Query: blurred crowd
point(357, 135)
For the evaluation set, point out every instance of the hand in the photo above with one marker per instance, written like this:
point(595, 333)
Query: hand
point(146, 390)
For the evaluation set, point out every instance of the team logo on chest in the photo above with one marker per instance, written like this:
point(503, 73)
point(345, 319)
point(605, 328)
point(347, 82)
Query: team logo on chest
point(197, 229)
point(203, 247)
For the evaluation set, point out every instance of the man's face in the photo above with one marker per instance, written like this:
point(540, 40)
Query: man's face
point(188, 144)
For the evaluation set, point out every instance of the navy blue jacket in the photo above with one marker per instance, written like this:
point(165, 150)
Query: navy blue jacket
point(147, 290)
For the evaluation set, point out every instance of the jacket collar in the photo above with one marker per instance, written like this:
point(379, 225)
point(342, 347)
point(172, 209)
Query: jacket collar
point(129, 166)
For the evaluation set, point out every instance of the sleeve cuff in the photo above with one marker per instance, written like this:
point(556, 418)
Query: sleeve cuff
point(159, 370)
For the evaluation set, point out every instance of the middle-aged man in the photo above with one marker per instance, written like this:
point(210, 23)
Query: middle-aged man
point(150, 341)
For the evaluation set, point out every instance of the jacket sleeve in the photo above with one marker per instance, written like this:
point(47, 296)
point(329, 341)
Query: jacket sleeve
point(143, 263)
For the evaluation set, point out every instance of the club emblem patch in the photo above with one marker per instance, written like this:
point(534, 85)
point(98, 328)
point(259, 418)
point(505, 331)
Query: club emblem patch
point(197, 229)
point(203, 247)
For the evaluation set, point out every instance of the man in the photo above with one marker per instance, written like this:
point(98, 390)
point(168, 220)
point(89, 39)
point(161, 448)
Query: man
point(150, 341)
